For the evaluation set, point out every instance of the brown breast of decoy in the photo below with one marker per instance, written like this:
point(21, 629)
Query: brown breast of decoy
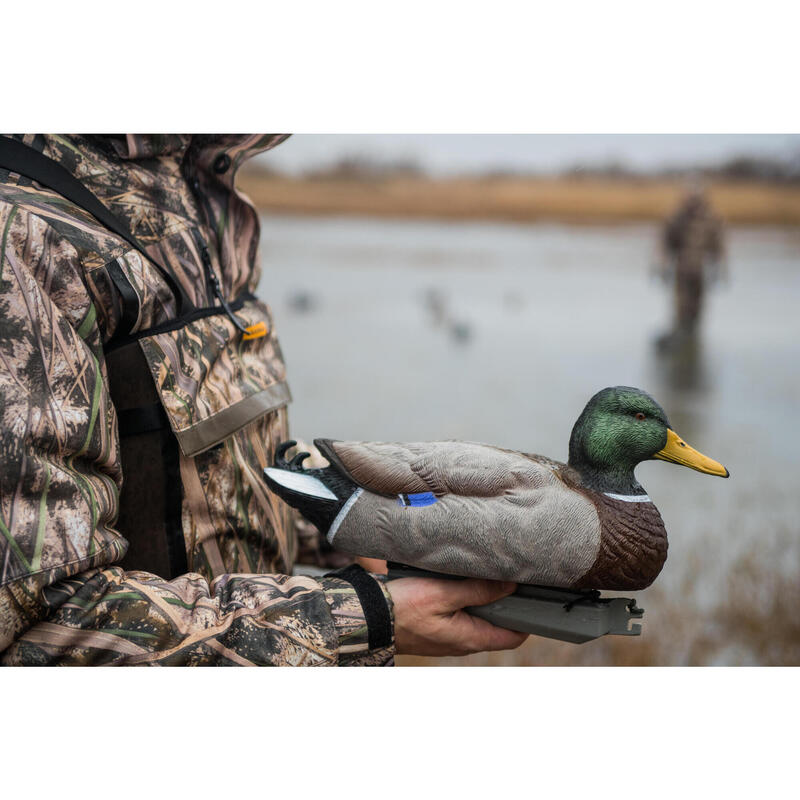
point(633, 544)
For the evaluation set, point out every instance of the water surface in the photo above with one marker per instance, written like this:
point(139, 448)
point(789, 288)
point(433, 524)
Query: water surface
point(406, 330)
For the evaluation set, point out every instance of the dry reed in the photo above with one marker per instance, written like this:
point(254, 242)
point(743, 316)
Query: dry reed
point(517, 199)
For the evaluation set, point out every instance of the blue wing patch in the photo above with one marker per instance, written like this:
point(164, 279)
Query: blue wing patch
point(418, 499)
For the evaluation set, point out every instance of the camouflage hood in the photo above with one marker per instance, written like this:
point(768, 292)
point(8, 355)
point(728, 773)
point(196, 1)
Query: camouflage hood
point(128, 146)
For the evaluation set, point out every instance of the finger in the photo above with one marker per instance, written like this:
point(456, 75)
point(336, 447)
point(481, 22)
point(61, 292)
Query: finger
point(480, 635)
point(455, 595)
point(375, 565)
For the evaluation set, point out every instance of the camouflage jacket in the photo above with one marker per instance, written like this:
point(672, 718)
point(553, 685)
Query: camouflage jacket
point(693, 236)
point(64, 598)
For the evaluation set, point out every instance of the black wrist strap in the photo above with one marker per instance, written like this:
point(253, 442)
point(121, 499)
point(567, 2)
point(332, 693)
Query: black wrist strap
point(373, 603)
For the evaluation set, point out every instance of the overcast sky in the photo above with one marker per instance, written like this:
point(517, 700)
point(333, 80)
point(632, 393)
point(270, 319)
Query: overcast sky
point(447, 154)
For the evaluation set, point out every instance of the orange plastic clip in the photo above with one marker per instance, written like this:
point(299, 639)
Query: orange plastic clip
point(255, 331)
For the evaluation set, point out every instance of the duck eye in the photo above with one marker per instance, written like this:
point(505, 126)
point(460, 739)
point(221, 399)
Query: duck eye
point(639, 415)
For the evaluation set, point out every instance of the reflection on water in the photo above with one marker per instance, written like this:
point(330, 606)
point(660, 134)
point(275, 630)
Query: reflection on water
point(681, 369)
point(500, 333)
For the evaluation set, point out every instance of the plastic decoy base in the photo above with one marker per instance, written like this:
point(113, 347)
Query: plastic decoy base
point(567, 615)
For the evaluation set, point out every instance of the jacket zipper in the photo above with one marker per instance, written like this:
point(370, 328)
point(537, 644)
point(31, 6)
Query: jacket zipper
point(250, 331)
point(255, 331)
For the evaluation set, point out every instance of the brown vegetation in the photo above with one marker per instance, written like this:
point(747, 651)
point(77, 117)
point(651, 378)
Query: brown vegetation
point(519, 199)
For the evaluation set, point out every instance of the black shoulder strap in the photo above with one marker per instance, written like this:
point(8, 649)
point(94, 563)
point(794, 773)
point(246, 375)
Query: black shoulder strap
point(18, 157)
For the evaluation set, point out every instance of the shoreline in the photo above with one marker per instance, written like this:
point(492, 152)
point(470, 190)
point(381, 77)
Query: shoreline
point(517, 199)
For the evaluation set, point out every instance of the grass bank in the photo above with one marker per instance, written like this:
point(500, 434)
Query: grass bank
point(517, 199)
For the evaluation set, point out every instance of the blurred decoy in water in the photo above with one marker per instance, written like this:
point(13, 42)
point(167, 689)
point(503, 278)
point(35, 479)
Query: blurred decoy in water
point(436, 306)
point(480, 511)
point(460, 331)
point(302, 301)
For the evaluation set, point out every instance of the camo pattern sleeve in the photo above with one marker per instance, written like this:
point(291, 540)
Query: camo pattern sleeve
point(62, 599)
point(111, 617)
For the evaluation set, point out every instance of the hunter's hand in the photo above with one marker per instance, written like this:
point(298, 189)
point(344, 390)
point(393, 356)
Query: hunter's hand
point(429, 619)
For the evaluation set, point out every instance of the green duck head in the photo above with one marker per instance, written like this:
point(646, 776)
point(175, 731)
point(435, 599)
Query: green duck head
point(621, 427)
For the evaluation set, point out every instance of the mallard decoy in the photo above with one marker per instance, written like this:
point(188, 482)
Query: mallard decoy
point(475, 510)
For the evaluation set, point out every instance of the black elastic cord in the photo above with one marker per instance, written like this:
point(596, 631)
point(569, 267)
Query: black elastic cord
point(18, 157)
point(116, 342)
point(373, 603)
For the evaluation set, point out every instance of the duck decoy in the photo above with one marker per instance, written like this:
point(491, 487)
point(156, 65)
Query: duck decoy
point(473, 510)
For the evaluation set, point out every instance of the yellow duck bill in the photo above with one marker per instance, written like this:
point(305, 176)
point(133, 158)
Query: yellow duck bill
point(678, 452)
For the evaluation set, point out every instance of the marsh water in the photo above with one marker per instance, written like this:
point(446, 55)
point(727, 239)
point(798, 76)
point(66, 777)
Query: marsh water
point(417, 330)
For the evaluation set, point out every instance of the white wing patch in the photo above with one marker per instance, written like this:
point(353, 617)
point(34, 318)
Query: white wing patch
point(303, 484)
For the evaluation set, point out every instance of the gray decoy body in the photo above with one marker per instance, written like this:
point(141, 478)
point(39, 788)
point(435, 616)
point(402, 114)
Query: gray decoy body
point(475, 510)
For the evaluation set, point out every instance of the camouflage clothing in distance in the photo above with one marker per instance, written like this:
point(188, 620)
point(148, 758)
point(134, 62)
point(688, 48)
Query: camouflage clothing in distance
point(63, 597)
point(692, 241)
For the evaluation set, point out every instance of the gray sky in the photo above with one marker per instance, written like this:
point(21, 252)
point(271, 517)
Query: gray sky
point(447, 154)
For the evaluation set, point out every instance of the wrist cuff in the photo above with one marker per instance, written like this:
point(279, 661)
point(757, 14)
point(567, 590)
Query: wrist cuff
point(373, 604)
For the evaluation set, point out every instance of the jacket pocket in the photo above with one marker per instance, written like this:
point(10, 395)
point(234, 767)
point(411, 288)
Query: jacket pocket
point(211, 382)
